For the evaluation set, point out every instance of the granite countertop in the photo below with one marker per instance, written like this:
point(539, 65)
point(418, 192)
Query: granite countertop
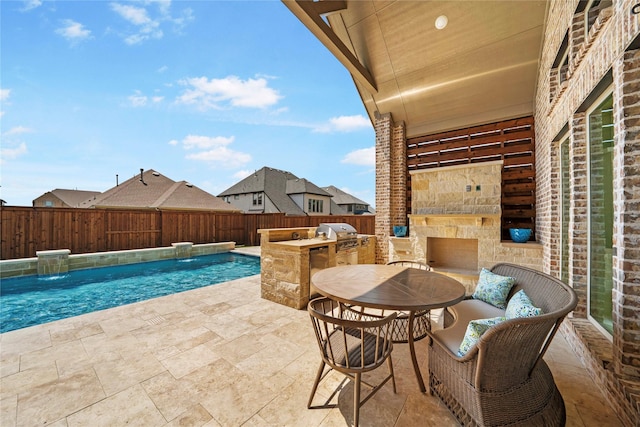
point(306, 243)
point(313, 242)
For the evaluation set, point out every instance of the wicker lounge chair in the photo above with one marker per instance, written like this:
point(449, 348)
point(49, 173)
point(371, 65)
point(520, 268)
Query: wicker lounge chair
point(503, 379)
point(351, 343)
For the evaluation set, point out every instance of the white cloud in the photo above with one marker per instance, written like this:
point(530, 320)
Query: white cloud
point(31, 4)
point(146, 27)
point(138, 99)
point(206, 94)
point(223, 156)
point(213, 150)
point(147, 21)
point(162, 69)
point(344, 124)
point(17, 131)
point(4, 97)
point(10, 153)
point(198, 141)
point(242, 174)
point(73, 31)
point(362, 157)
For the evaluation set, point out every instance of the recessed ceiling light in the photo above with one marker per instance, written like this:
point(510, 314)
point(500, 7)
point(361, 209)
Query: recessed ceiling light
point(441, 22)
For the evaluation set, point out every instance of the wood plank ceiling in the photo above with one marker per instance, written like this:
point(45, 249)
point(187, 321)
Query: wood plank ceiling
point(481, 68)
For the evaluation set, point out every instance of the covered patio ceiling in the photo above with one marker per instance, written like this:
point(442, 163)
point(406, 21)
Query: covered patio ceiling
point(482, 67)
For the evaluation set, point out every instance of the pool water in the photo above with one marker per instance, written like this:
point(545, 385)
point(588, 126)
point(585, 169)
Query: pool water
point(33, 300)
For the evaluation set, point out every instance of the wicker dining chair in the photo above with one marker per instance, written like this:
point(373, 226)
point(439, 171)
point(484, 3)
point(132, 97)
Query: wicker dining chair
point(351, 343)
point(421, 319)
point(503, 379)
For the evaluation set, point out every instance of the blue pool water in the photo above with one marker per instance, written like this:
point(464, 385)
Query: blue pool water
point(32, 300)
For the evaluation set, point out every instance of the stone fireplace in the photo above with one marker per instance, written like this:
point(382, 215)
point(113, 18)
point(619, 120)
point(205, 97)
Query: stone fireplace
point(454, 224)
point(453, 254)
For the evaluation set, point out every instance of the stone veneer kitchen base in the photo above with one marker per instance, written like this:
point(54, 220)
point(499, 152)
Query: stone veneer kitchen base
point(285, 262)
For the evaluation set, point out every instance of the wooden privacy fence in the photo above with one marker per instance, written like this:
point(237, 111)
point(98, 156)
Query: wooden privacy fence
point(26, 230)
point(512, 141)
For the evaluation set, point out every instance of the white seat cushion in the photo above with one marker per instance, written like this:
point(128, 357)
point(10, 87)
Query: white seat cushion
point(463, 313)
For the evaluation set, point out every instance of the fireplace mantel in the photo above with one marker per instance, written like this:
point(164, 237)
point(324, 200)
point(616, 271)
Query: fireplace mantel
point(452, 219)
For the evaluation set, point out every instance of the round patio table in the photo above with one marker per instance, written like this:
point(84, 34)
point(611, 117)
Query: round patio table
point(390, 287)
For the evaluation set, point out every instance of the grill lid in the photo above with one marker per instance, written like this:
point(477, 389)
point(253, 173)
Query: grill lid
point(337, 230)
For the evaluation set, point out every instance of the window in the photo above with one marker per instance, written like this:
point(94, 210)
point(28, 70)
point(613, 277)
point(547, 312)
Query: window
point(559, 69)
point(563, 69)
point(592, 11)
point(48, 203)
point(257, 199)
point(315, 205)
point(600, 242)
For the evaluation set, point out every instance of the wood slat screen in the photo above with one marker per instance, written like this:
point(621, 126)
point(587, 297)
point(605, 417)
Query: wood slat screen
point(26, 230)
point(512, 141)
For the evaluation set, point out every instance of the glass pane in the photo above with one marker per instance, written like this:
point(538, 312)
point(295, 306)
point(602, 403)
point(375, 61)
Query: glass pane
point(564, 214)
point(601, 213)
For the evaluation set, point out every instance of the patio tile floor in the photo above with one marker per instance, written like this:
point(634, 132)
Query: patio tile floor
point(218, 356)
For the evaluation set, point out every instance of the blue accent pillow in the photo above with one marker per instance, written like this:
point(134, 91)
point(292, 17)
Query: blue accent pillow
point(493, 288)
point(475, 329)
point(520, 305)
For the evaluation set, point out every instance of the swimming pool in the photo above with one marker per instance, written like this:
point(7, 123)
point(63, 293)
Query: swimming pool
point(33, 300)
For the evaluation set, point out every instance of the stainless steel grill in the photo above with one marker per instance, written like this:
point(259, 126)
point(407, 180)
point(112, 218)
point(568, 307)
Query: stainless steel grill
point(344, 234)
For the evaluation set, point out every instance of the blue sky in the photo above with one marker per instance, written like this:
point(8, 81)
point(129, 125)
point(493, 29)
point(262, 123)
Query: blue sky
point(201, 91)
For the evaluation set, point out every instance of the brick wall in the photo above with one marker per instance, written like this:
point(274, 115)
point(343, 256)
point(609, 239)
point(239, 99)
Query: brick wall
point(391, 179)
point(578, 226)
point(596, 59)
point(604, 55)
point(384, 222)
point(626, 260)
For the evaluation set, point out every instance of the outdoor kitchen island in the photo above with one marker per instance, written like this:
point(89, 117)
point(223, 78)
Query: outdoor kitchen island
point(290, 256)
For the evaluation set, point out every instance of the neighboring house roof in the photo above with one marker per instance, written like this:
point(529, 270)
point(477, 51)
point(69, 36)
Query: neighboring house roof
point(272, 183)
point(336, 209)
point(300, 186)
point(343, 198)
point(150, 189)
point(72, 198)
point(278, 186)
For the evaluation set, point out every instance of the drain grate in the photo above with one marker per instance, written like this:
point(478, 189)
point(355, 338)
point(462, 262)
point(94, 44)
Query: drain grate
point(156, 320)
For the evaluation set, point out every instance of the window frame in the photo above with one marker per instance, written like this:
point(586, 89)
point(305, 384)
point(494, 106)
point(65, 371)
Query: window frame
point(589, 111)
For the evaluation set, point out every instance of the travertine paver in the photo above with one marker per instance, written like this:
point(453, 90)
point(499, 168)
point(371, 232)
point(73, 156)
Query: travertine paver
point(217, 356)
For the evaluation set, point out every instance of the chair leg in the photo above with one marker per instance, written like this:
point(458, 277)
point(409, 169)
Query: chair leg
point(315, 384)
point(356, 400)
point(393, 377)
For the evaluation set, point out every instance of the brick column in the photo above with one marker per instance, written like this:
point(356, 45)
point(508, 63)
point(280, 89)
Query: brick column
point(391, 179)
point(626, 256)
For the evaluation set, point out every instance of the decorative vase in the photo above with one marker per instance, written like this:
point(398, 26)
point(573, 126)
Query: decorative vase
point(520, 235)
point(400, 230)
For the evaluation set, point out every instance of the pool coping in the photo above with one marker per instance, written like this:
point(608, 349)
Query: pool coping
point(62, 261)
